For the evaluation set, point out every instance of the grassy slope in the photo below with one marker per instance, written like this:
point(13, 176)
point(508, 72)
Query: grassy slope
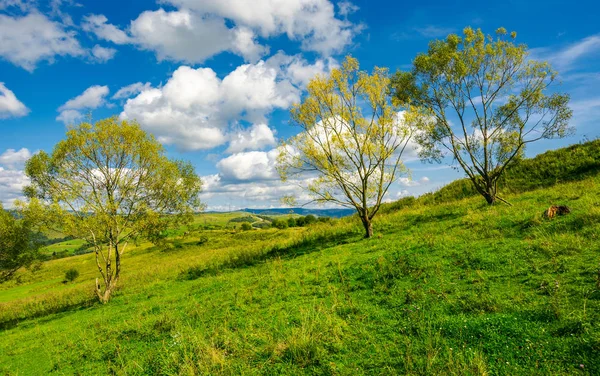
point(458, 288)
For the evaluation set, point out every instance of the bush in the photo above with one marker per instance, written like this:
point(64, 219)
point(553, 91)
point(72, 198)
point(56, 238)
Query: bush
point(71, 275)
point(291, 222)
point(280, 223)
point(310, 219)
point(246, 226)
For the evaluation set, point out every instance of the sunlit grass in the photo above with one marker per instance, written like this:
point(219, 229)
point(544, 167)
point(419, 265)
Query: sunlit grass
point(456, 288)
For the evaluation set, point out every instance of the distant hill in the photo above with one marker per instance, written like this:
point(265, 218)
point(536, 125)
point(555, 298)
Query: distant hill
point(336, 213)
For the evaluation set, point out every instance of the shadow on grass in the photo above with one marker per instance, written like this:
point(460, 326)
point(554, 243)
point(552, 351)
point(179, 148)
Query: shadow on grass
point(246, 259)
point(54, 311)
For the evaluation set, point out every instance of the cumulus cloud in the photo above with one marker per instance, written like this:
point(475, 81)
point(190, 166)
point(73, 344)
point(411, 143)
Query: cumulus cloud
point(93, 97)
point(102, 54)
point(12, 158)
point(26, 41)
point(256, 137)
point(312, 22)
point(10, 106)
point(12, 183)
point(12, 176)
point(196, 31)
point(249, 166)
point(196, 109)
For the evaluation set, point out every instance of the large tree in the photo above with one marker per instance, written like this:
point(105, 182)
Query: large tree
point(485, 100)
point(110, 183)
point(18, 242)
point(352, 137)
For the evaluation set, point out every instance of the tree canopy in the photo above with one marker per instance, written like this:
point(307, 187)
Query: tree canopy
point(352, 138)
point(111, 183)
point(485, 100)
point(18, 246)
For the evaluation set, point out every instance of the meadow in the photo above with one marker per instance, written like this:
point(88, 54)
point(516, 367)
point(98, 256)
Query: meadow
point(449, 286)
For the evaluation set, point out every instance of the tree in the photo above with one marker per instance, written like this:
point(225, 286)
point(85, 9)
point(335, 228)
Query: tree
point(18, 243)
point(351, 142)
point(486, 100)
point(110, 183)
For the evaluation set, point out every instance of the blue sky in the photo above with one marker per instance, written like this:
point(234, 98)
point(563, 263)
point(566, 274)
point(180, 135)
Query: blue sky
point(214, 79)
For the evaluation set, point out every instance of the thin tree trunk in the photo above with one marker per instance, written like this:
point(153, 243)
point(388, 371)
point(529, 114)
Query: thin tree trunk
point(368, 225)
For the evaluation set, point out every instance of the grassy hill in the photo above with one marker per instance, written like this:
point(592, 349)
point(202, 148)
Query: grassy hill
point(446, 287)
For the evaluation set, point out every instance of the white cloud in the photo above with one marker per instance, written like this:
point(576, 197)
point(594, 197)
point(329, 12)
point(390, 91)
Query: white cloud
point(566, 58)
point(10, 106)
point(12, 177)
point(131, 90)
point(70, 116)
point(25, 41)
point(12, 158)
point(346, 8)
point(181, 35)
point(98, 25)
point(256, 137)
point(244, 44)
point(312, 22)
point(196, 31)
point(196, 109)
point(102, 54)
point(249, 166)
point(12, 183)
point(93, 97)
point(408, 182)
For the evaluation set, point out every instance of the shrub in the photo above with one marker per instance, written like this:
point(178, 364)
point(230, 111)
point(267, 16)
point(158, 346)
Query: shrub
point(280, 223)
point(71, 275)
point(246, 226)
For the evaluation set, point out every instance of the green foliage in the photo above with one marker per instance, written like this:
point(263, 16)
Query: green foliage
point(247, 218)
point(500, 98)
point(291, 222)
point(351, 138)
point(19, 243)
point(280, 223)
point(246, 226)
point(110, 183)
point(71, 275)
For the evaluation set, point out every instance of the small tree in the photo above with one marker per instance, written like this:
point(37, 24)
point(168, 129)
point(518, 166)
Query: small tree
point(351, 142)
point(111, 183)
point(486, 100)
point(18, 245)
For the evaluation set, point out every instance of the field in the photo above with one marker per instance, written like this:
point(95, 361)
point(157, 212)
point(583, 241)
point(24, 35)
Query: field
point(448, 288)
point(456, 288)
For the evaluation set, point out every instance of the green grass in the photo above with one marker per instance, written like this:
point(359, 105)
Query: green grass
point(458, 288)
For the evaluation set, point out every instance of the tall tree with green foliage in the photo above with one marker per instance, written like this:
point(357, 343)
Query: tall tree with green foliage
point(486, 100)
point(111, 183)
point(352, 139)
point(18, 245)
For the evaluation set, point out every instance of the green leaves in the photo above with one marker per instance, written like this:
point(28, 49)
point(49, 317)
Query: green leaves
point(18, 246)
point(488, 101)
point(111, 183)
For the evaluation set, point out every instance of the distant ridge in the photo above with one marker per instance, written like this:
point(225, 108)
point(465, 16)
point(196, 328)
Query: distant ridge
point(337, 213)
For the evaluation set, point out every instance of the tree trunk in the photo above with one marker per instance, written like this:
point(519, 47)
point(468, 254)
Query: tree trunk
point(368, 226)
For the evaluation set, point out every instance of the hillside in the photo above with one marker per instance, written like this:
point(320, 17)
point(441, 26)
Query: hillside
point(452, 287)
